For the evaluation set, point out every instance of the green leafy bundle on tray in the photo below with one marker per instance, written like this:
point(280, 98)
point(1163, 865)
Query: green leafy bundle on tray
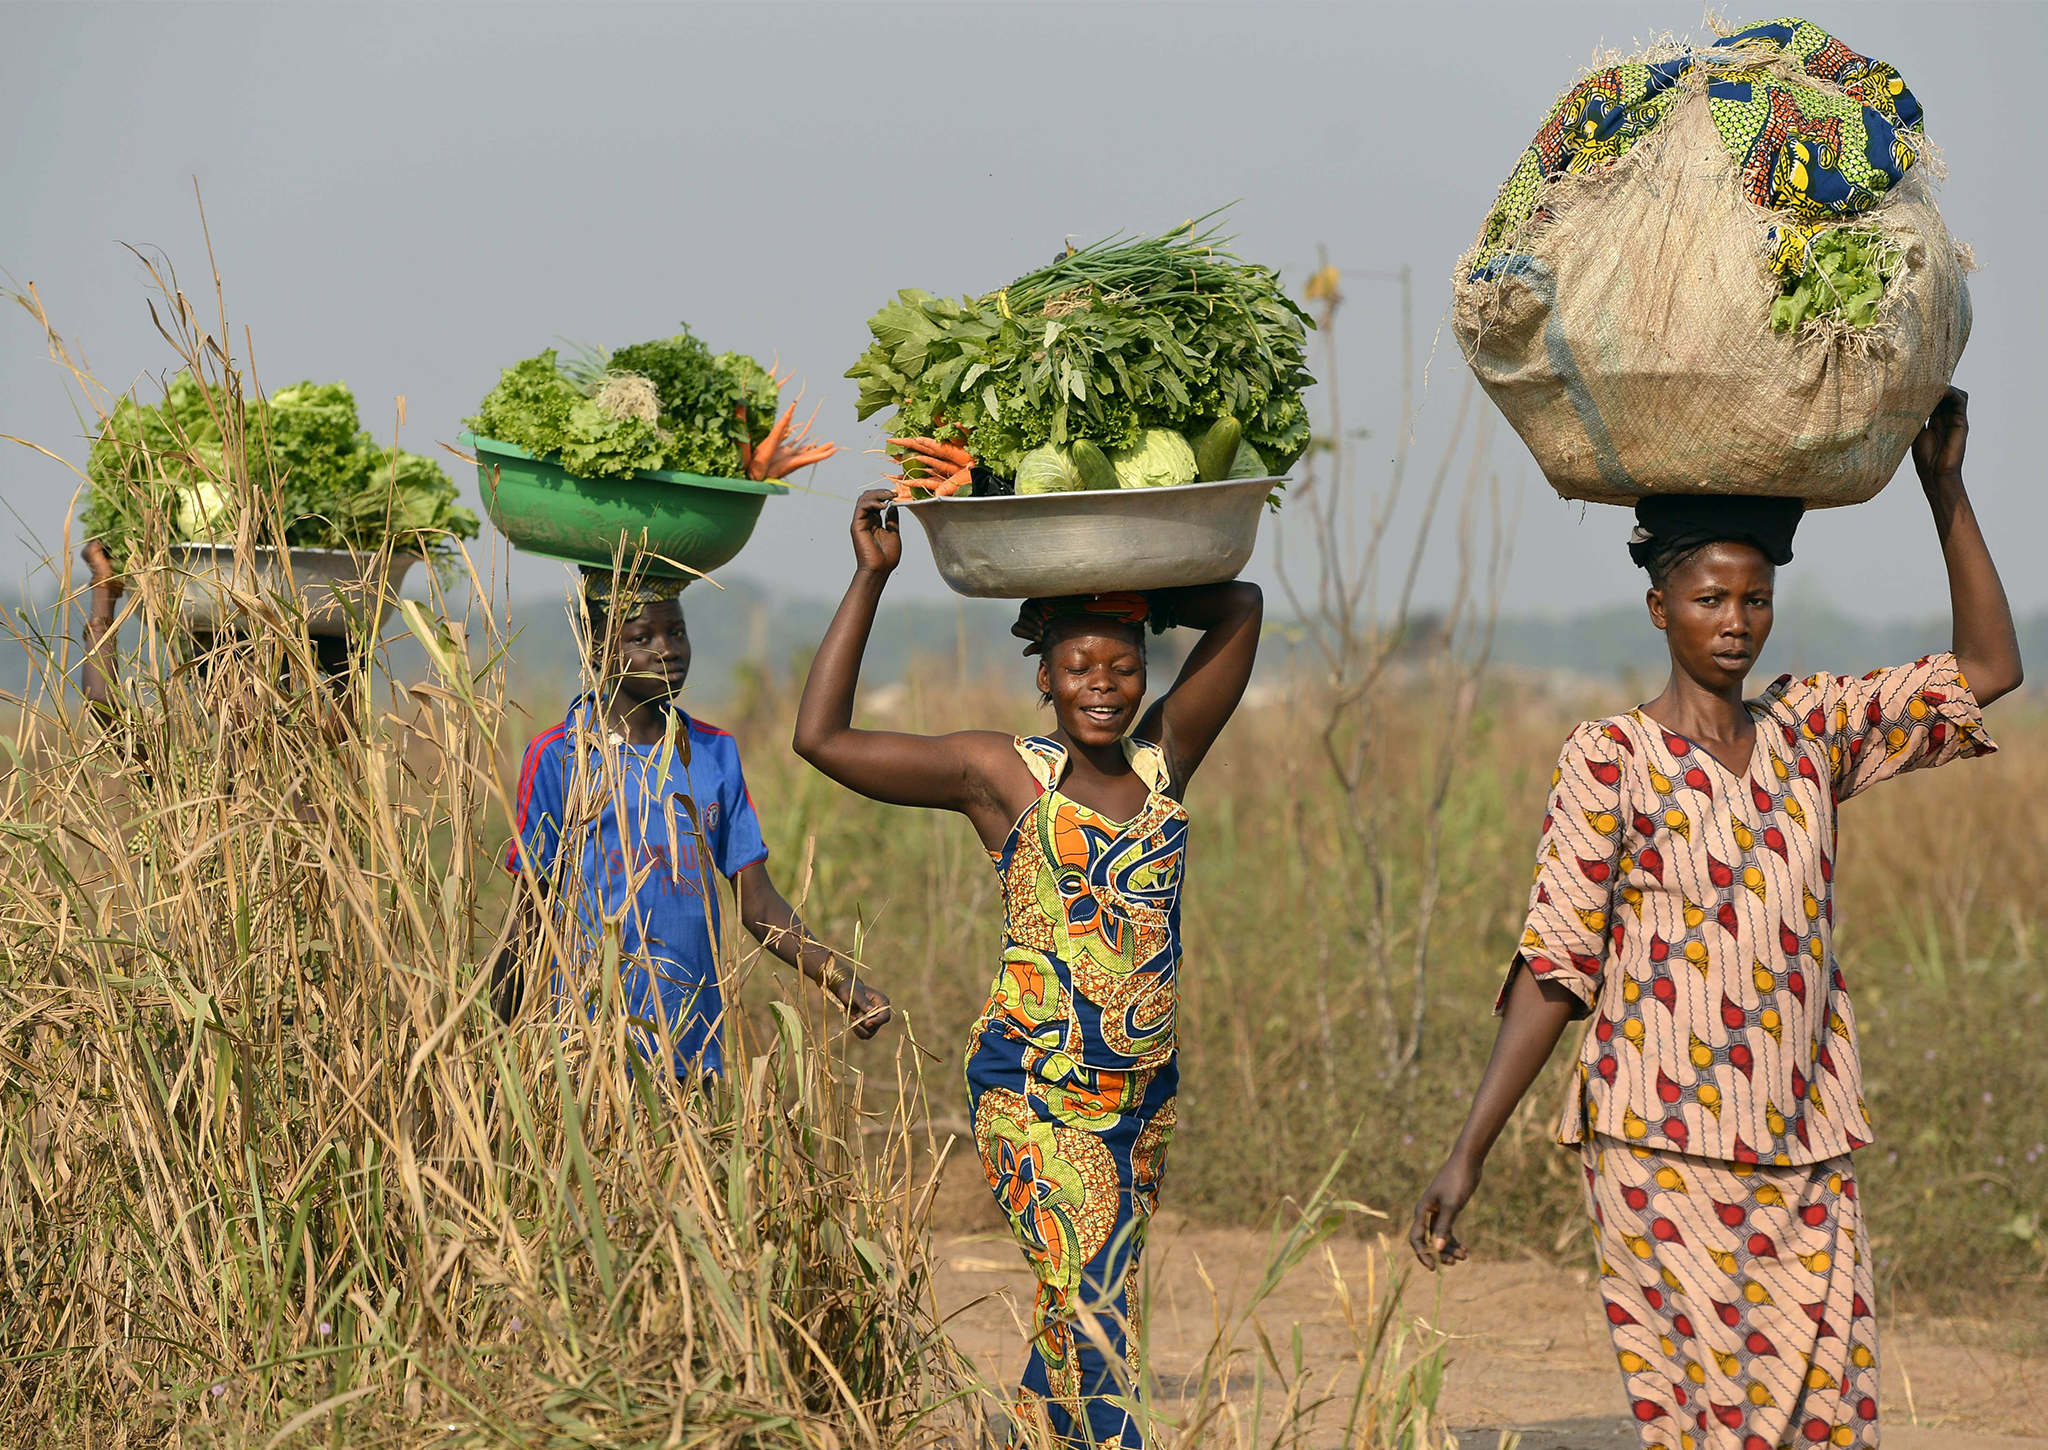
point(335, 486)
point(1125, 364)
point(666, 405)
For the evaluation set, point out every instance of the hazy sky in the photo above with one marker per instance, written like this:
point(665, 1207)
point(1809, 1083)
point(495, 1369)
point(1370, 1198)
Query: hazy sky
point(409, 198)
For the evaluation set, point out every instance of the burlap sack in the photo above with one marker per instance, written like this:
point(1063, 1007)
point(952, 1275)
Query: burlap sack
point(1633, 351)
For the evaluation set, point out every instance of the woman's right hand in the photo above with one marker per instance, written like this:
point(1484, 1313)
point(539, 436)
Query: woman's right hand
point(1432, 1235)
point(877, 546)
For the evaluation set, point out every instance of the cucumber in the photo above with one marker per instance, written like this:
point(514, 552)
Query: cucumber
point(1093, 465)
point(1218, 449)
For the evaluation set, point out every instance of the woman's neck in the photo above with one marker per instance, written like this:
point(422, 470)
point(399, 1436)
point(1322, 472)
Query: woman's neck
point(1105, 760)
point(1698, 711)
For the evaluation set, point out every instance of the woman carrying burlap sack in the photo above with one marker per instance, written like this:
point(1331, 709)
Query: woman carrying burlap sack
point(1720, 269)
point(1684, 901)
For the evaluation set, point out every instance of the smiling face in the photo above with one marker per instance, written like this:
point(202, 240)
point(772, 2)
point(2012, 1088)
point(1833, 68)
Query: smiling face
point(1095, 673)
point(1715, 611)
point(651, 651)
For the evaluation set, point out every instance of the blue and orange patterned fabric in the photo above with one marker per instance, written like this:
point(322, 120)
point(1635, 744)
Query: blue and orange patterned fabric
point(1818, 155)
point(1071, 1074)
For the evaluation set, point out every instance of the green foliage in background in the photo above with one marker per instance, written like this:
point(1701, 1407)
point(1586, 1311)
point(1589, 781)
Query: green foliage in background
point(336, 487)
point(1117, 337)
point(707, 406)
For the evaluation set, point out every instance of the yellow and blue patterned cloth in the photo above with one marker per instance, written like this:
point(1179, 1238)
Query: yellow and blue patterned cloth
point(1817, 155)
point(1071, 1074)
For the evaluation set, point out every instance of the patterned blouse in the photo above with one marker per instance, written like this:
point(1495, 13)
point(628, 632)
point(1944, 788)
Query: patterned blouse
point(1091, 950)
point(1693, 911)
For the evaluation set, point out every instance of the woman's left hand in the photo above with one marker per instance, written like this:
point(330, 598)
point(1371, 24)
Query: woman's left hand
point(1938, 451)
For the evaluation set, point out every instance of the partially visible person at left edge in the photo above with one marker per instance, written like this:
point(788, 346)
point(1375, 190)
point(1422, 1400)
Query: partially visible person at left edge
point(1684, 902)
point(632, 803)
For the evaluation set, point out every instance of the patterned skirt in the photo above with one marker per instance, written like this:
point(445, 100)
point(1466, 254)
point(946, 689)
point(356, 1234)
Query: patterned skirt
point(1739, 1297)
point(1074, 1156)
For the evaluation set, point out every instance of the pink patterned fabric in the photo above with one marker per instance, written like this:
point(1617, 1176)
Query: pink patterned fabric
point(1738, 1297)
point(1693, 910)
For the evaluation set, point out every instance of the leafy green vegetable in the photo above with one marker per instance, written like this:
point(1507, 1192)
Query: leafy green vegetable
point(1248, 464)
point(704, 407)
point(1161, 458)
point(1050, 469)
point(1112, 339)
point(1846, 274)
point(336, 487)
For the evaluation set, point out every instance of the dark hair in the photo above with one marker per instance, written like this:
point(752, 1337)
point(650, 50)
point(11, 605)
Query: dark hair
point(1672, 528)
point(1661, 566)
point(1056, 628)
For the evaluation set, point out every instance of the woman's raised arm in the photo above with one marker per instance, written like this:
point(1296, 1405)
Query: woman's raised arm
point(1986, 647)
point(1187, 719)
point(946, 772)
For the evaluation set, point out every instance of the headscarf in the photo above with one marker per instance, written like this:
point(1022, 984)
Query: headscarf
point(1670, 525)
point(1036, 617)
point(624, 595)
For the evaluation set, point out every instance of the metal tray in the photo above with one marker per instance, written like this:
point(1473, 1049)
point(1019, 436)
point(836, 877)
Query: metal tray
point(209, 577)
point(1049, 544)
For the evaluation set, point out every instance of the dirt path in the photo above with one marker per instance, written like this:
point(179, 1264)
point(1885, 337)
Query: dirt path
point(1531, 1349)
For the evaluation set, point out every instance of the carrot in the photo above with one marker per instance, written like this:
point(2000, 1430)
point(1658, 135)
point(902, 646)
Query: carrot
point(789, 460)
point(932, 448)
point(769, 444)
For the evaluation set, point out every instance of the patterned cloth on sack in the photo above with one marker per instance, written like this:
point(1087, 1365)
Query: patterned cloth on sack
point(1738, 1297)
point(1817, 155)
point(1693, 911)
point(1071, 1075)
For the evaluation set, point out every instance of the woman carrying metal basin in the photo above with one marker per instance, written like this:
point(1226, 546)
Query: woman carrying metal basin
point(1071, 1069)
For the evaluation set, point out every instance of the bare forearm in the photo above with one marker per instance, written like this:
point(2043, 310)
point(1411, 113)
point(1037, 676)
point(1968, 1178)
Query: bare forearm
point(774, 923)
point(1985, 643)
point(1536, 1016)
point(826, 710)
point(96, 673)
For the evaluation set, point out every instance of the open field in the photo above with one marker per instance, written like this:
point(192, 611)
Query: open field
point(271, 1174)
point(1284, 1058)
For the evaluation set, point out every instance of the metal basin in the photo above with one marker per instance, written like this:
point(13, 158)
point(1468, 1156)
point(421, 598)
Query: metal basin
point(1049, 544)
point(209, 576)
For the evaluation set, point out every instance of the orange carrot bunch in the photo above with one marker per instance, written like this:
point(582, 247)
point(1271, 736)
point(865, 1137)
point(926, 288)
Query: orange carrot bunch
point(779, 454)
point(943, 468)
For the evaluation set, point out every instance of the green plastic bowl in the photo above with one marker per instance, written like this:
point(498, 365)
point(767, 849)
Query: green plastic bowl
point(695, 521)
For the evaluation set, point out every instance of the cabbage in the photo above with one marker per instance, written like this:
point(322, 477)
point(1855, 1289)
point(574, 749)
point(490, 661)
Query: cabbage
point(1160, 459)
point(1248, 464)
point(1048, 470)
point(205, 515)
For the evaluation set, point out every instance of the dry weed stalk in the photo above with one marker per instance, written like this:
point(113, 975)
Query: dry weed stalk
point(1380, 661)
point(272, 1172)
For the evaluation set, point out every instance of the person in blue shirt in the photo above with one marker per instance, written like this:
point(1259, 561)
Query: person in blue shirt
point(633, 805)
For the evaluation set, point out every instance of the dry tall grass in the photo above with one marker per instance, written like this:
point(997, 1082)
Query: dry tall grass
point(1940, 901)
point(273, 1173)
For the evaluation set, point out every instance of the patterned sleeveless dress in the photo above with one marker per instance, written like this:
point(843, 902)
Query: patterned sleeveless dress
point(1071, 1075)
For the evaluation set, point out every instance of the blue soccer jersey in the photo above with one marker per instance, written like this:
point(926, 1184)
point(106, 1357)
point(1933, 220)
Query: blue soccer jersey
point(600, 830)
